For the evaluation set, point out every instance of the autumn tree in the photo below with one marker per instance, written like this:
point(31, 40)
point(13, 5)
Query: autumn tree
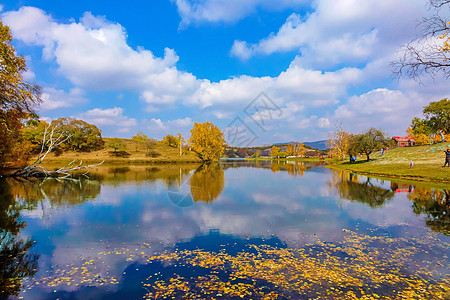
point(117, 145)
point(290, 150)
point(298, 149)
point(282, 154)
point(170, 140)
point(339, 142)
point(18, 98)
point(140, 137)
point(207, 140)
point(419, 138)
point(435, 123)
point(258, 153)
point(437, 116)
point(81, 136)
point(429, 52)
point(33, 134)
point(150, 146)
point(367, 142)
point(274, 152)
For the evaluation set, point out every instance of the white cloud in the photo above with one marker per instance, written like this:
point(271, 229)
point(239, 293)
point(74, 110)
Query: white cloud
point(306, 87)
point(381, 108)
point(323, 123)
point(54, 99)
point(227, 11)
point(173, 125)
point(341, 31)
point(109, 117)
point(158, 128)
point(93, 54)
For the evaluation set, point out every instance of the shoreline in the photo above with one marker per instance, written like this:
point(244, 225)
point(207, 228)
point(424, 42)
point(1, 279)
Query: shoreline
point(335, 166)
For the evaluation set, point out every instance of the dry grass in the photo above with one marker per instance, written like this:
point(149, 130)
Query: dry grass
point(137, 155)
point(427, 160)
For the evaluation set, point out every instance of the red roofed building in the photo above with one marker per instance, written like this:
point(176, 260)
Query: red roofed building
point(404, 141)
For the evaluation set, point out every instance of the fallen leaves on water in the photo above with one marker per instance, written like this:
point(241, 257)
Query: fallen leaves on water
point(359, 267)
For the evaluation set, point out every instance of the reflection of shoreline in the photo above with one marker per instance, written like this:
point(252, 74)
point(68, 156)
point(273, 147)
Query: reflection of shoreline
point(293, 168)
point(253, 204)
point(431, 202)
point(17, 257)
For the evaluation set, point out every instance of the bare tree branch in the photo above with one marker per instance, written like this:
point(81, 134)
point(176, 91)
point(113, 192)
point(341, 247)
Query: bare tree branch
point(425, 55)
point(50, 141)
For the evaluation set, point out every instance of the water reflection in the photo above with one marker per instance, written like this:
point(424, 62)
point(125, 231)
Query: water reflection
point(207, 183)
point(293, 168)
point(54, 192)
point(435, 204)
point(119, 218)
point(359, 188)
point(17, 260)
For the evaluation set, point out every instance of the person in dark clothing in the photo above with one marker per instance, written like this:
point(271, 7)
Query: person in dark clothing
point(447, 158)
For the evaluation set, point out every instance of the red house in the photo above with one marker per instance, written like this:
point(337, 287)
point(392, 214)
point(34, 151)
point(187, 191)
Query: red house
point(404, 141)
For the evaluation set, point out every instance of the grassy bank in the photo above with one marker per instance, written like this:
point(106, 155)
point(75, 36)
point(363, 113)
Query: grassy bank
point(427, 163)
point(136, 153)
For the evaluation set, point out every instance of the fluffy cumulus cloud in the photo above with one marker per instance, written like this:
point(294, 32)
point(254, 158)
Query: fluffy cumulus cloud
point(341, 31)
point(53, 98)
point(110, 117)
point(304, 86)
point(157, 128)
point(227, 11)
point(340, 71)
point(381, 108)
point(93, 54)
point(172, 124)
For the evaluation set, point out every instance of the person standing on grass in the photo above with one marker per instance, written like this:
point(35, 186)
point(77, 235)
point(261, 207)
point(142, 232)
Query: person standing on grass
point(447, 158)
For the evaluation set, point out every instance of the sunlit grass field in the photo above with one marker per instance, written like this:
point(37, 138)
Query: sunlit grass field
point(427, 163)
point(136, 154)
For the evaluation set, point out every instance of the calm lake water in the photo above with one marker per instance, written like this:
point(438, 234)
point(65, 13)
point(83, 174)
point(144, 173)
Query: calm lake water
point(238, 230)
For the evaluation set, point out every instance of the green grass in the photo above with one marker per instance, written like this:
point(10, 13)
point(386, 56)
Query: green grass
point(427, 160)
point(137, 155)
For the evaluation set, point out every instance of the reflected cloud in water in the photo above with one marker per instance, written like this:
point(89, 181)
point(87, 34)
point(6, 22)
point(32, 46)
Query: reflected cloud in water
point(294, 202)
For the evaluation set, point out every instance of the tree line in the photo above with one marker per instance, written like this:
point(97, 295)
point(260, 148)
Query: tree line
point(433, 128)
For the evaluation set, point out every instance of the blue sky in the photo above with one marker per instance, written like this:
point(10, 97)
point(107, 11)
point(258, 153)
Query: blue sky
point(157, 66)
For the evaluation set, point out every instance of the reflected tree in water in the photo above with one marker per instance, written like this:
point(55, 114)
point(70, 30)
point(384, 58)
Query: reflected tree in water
point(17, 261)
point(435, 204)
point(207, 182)
point(59, 192)
point(350, 187)
point(293, 168)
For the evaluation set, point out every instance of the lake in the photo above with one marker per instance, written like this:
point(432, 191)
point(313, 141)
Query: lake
point(239, 230)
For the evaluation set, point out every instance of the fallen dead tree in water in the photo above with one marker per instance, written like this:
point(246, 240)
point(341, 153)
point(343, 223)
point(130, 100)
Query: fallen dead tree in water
point(50, 141)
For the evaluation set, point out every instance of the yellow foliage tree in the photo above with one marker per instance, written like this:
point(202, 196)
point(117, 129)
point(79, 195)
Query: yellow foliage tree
point(290, 150)
point(295, 149)
point(170, 140)
point(420, 138)
point(339, 142)
point(17, 97)
point(207, 140)
point(299, 149)
point(275, 150)
point(140, 137)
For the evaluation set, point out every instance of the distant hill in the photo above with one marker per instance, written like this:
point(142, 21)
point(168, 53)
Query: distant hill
point(321, 145)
